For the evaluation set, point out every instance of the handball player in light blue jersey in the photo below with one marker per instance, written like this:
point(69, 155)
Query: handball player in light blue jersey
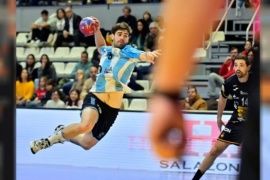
point(101, 105)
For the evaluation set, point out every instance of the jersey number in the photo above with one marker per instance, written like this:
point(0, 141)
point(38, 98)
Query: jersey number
point(244, 101)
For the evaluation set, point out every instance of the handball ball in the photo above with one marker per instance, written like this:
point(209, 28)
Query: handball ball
point(88, 26)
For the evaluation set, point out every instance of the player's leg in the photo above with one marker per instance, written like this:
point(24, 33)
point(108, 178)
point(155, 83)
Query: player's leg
point(86, 141)
point(216, 150)
point(88, 120)
point(232, 134)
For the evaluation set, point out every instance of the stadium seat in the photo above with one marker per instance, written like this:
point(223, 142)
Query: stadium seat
point(125, 103)
point(23, 64)
point(59, 67)
point(20, 53)
point(21, 39)
point(90, 51)
point(220, 36)
point(143, 83)
point(46, 50)
point(152, 86)
point(37, 65)
point(31, 50)
point(138, 105)
point(75, 52)
point(200, 53)
point(69, 67)
point(61, 53)
point(143, 64)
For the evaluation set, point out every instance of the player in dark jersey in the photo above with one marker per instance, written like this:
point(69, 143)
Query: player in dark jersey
point(237, 86)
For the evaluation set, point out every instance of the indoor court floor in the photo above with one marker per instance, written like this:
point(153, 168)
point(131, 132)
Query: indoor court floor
point(47, 172)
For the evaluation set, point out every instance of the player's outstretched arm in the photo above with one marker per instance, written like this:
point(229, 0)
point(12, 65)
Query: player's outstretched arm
point(99, 39)
point(194, 18)
point(150, 56)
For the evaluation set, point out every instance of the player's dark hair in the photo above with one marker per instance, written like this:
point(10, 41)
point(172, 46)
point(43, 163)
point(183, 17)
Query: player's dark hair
point(241, 57)
point(121, 26)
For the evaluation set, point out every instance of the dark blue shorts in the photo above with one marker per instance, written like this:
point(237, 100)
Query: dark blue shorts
point(106, 118)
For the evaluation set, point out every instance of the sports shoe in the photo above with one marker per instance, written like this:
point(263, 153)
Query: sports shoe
point(37, 145)
point(58, 129)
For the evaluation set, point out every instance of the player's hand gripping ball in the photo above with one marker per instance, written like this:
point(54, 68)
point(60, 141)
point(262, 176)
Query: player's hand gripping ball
point(88, 26)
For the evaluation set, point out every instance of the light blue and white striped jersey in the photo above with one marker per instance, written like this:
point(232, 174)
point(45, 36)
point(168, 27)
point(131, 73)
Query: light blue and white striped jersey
point(115, 69)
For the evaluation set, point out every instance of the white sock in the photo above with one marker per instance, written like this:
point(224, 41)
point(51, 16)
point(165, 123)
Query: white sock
point(54, 138)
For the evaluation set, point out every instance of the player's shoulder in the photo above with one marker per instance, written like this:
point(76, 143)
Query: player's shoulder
point(232, 79)
point(128, 48)
point(104, 49)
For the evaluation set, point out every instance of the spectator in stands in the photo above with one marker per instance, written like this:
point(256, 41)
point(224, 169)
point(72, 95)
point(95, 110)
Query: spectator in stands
point(50, 87)
point(80, 79)
point(74, 100)
point(24, 88)
point(71, 31)
point(18, 70)
point(46, 69)
point(147, 18)
point(226, 70)
point(84, 64)
point(247, 3)
point(30, 66)
point(250, 56)
point(55, 101)
point(247, 47)
point(149, 44)
point(193, 101)
point(139, 35)
point(96, 58)
point(160, 21)
point(40, 92)
point(60, 24)
point(128, 18)
point(41, 29)
point(89, 82)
